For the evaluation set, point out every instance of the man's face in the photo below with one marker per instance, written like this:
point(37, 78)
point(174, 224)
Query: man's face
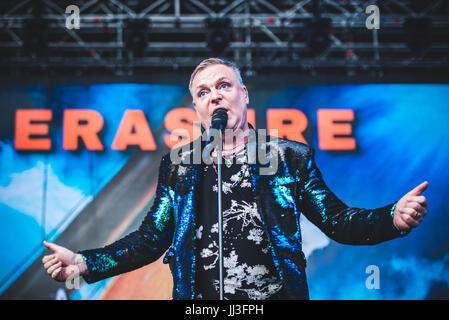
point(218, 87)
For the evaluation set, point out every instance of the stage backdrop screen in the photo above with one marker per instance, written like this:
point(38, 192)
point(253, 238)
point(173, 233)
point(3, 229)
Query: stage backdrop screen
point(62, 148)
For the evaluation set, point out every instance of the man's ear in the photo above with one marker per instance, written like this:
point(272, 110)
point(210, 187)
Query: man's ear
point(245, 91)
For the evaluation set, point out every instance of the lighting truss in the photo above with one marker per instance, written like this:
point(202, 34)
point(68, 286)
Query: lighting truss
point(265, 35)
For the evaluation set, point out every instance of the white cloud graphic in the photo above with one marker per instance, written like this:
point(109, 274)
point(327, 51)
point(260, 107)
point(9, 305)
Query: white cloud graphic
point(312, 237)
point(25, 190)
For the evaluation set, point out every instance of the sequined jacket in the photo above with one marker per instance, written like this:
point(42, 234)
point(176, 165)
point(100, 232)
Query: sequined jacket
point(295, 188)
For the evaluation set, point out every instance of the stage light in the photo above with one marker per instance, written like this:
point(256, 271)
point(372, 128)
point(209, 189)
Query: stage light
point(35, 38)
point(419, 32)
point(136, 36)
point(35, 32)
point(318, 38)
point(218, 34)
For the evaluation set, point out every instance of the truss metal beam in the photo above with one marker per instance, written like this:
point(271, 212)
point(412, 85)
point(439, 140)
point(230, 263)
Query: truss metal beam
point(266, 34)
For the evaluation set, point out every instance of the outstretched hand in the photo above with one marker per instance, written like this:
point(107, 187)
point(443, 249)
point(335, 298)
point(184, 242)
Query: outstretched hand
point(411, 209)
point(63, 263)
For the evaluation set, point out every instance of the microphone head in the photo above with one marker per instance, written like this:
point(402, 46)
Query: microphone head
point(219, 119)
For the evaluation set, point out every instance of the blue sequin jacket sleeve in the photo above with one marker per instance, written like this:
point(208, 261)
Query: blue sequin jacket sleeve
point(341, 223)
point(141, 247)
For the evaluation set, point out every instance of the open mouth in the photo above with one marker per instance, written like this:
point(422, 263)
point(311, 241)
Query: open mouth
point(215, 110)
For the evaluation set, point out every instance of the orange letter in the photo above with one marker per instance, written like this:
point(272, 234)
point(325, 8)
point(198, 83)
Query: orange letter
point(328, 129)
point(251, 117)
point(25, 128)
point(291, 123)
point(183, 124)
point(87, 131)
point(142, 136)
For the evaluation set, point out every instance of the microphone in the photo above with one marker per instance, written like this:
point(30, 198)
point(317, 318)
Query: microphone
point(219, 120)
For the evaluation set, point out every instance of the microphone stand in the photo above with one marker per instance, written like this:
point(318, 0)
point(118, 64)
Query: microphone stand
point(219, 119)
point(220, 216)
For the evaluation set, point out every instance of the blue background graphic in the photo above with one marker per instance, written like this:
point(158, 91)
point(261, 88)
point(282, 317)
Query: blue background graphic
point(401, 136)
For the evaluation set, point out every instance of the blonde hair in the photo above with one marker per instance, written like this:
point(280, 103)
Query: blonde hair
point(210, 62)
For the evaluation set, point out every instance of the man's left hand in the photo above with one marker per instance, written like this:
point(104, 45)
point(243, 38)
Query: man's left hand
point(411, 209)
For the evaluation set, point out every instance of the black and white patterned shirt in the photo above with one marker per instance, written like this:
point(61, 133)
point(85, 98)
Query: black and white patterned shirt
point(249, 271)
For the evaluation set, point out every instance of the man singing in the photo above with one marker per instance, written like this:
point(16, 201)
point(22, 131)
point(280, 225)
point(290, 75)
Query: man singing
point(262, 243)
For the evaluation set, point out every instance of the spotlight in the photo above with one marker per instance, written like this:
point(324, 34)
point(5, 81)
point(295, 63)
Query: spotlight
point(218, 34)
point(136, 36)
point(35, 37)
point(318, 36)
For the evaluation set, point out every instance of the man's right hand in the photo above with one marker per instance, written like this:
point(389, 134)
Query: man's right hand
point(63, 263)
